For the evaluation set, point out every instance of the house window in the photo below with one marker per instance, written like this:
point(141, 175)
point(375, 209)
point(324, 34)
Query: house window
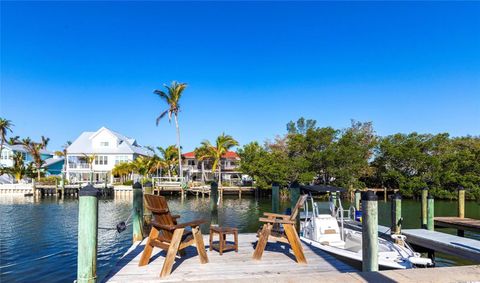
point(121, 159)
point(101, 160)
point(104, 143)
point(191, 162)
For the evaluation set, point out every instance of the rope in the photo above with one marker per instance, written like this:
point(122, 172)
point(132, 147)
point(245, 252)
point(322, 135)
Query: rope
point(121, 226)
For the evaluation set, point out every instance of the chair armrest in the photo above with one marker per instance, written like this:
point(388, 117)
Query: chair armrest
point(175, 216)
point(279, 221)
point(178, 226)
point(276, 215)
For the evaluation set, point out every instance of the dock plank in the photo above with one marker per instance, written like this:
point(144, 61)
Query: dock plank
point(278, 261)
point(445, 243)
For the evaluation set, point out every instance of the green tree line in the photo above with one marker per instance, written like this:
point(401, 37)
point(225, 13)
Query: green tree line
point(355, 158)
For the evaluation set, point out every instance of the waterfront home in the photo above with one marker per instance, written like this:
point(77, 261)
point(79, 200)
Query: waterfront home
point(201, 171)
point(105, 148)
point(6, 158)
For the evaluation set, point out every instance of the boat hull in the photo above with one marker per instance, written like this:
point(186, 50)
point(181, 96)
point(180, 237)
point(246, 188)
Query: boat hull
point(354, 259)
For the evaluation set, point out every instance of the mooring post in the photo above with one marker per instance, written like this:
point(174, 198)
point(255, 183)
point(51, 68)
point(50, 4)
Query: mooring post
point(461, 208)
point(430, 212)
point(214, 203)
point(87, 235)
point(358, 196)
point(461, 202)
point(275, 197)
point(62, 185)
point(294, 196)
point(369, 231)
point(147, 214)
point(396, 213)
point(424, 207)
point(137, 214)
point(385, 194)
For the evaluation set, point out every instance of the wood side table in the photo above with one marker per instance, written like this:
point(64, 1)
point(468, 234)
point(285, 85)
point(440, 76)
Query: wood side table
point(222, 235)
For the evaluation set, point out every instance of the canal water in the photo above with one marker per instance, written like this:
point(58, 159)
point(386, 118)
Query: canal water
point(38, 237)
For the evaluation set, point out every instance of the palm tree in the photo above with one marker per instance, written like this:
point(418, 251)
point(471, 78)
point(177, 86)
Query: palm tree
point(18, 169)
point(13, 140)
point(90, 159)
point(222, 145)
point(63, 154)
point(169, 157)
point(172, 98)
point(35, 150)
point(45, 141)
point(5, 126)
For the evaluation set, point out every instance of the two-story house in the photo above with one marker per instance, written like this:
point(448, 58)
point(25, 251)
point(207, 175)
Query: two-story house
point(106, 148)
point(201, 171)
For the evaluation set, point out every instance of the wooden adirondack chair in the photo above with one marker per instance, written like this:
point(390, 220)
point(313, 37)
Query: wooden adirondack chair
point(289, 236)
point(170, 236)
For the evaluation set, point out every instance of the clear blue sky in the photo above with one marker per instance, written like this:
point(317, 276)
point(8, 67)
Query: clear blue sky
point(68, 67)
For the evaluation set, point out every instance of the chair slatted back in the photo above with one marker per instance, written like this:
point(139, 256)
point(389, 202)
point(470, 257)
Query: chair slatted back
point(160, 212)
point(300, 202)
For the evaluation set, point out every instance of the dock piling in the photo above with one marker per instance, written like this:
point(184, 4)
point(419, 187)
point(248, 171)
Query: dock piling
point(87, 235)
point(214, 203)
point(137, 214)
point(275, 197)
point(396, 213)
point(430, 213)
point(461, 208)
point(424, 207)
point(370, 231)
point(358, 196)
point(461, 202)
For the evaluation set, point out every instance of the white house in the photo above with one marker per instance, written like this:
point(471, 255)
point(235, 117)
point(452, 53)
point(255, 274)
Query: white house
point(108, 149)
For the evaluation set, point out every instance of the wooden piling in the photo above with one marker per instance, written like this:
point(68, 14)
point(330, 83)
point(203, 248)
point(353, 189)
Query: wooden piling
point(430, 212)
point(385, 194)
point(214, 203)
point(396, 209)
point(137, 214)
point(461, 208)
point(358, 196)
point(275, 198)
point(461, 202)
point(87, 235)
point(369, 232)
point(424, 208)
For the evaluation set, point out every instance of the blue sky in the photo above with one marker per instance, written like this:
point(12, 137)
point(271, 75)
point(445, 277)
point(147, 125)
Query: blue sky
point(68, 67)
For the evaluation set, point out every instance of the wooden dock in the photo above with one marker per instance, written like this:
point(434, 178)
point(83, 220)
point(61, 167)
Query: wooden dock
point(445, 243)
point(461, 224)
point(277, 265)
point(434, 240)
point(277, 262)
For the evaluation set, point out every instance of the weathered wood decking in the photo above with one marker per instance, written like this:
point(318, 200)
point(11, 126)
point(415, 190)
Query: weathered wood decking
point(277, 262)
point(277, 265)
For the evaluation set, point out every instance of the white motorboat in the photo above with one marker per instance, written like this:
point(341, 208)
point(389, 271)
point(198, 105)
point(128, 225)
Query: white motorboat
point(324, 232)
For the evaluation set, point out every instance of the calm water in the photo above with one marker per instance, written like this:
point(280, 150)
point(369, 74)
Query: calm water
point(38, 239)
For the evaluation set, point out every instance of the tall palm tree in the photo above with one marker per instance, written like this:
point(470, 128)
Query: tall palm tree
point(35, 150)
point(5, 127)
point(172, 98)
point(215, 152)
